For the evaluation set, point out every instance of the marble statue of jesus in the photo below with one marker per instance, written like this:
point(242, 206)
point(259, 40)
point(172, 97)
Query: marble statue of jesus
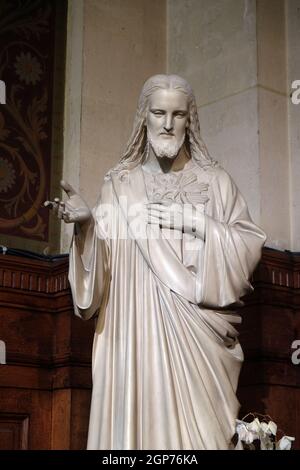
point(162, 261)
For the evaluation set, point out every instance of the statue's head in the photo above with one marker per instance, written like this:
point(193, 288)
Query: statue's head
point(161, 97)
point(167, 116)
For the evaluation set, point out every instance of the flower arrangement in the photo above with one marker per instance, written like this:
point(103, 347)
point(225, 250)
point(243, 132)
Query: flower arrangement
point(261, 434)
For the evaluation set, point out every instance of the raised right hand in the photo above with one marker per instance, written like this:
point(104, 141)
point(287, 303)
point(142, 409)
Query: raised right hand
point(73, 210)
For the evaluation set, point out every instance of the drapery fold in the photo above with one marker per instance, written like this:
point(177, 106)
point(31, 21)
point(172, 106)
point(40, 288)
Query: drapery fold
point(232, 247)
point(166, 358)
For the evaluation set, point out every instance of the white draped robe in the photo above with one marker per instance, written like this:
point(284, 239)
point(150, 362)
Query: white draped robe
point(166, 358)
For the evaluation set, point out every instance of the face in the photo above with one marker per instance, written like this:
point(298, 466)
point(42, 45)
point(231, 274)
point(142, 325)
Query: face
point(167, 120)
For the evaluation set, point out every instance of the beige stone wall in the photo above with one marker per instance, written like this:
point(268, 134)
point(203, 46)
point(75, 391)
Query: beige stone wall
point(240, 57)
point(213, 45)
point(293, 62)
point(124, 43)
point(116, 46)
point(273, 122)
point(234, 53)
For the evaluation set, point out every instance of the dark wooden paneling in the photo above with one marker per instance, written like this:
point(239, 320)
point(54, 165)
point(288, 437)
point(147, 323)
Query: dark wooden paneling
point(13, 431)
point(47, 378)
point(269, 381)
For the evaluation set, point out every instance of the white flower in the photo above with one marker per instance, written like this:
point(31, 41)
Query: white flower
point(247, 432)
point(264, 432)
point(270, 428)
point(254, 426)
point(285, 443)
point(28, 68)
point(241, 430)
point(7, 175)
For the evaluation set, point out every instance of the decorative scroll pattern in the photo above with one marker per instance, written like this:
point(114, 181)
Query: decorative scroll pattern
point(26, 67)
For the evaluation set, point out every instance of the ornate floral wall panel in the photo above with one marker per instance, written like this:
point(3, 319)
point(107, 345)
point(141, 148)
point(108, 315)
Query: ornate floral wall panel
point(32, 48)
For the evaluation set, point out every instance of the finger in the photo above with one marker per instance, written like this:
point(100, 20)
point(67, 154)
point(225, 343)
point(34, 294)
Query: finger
point(159, 207)
point(53, 205)
point(67, 188)
point(68, 207)
point(166, 223)
point(61, 209)
point(154, 212)
point(162, 203)
point(66, 217)
point(162, 216)
point(153, 204)
point(154, 220)
point(161, 224)
point(49, 204)
point(167, 203)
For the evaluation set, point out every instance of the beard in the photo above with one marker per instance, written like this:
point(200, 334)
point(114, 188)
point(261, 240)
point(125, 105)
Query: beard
point(162, 148)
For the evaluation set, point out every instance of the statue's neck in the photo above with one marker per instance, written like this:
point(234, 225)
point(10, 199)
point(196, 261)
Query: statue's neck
point(154, 164)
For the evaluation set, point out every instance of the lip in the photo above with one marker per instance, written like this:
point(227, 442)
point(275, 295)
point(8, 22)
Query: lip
point(165, 133)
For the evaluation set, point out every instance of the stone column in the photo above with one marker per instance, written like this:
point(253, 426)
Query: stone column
point(293, 62)
point(234, 55)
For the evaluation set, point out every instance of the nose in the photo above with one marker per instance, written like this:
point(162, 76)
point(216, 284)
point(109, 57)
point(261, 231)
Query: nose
point(168, 123)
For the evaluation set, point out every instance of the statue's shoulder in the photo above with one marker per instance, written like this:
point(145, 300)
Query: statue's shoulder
point(107, 177)
point(223, 184)
point(114, 172)
point(123, 173)
point(220, 176)
point(105, 195)
point(106, 185)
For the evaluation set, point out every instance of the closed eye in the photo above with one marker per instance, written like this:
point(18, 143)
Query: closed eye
point(157, 112)
point(180, 114)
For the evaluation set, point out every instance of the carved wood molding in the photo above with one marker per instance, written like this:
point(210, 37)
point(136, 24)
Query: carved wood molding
point(279, 268)
point(277, 280)
point(24, 274)
point(48, 348)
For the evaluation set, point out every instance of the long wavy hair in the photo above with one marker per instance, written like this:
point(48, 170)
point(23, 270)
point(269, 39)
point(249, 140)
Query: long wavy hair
point(135, 151)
